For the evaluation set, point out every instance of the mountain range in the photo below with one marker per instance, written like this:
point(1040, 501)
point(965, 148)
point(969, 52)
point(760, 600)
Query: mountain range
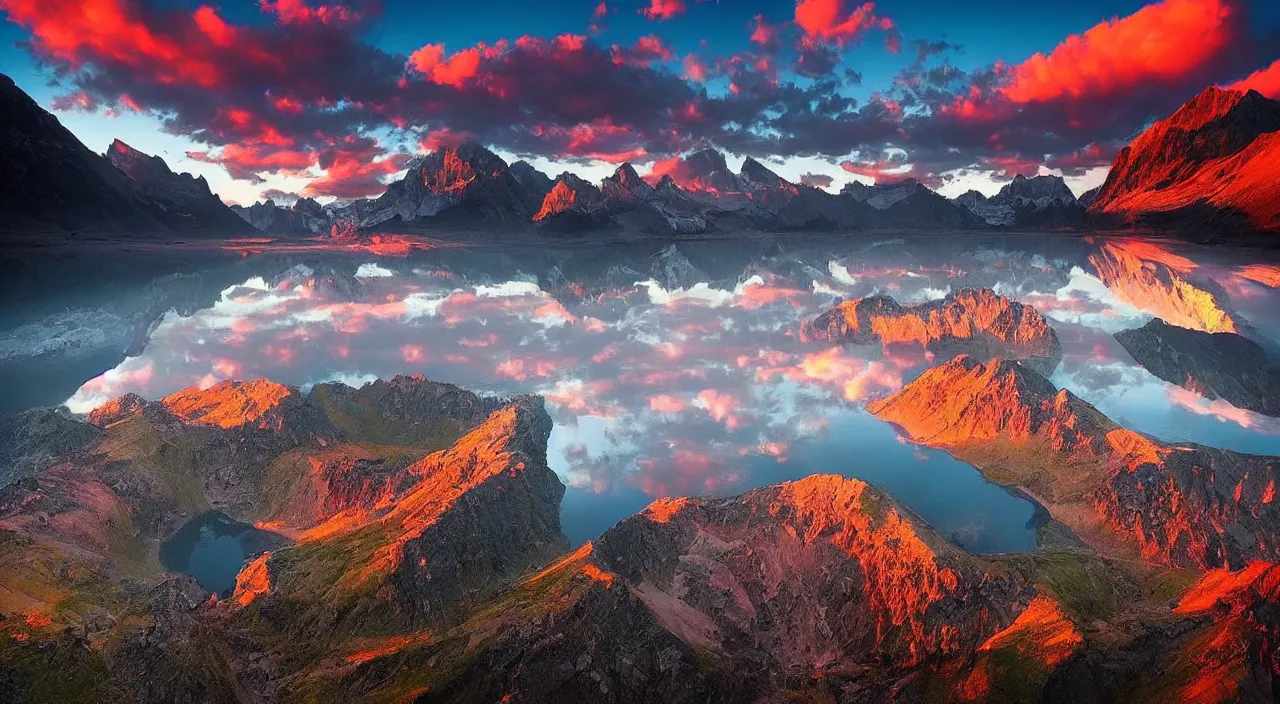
point(406, 546)
point(1212, 163)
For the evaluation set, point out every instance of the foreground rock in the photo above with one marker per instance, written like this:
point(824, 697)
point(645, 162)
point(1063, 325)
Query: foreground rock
point(425, 562)
point(1124, 493)
point(821, 583)
point(969, 321)
point(1215, 365)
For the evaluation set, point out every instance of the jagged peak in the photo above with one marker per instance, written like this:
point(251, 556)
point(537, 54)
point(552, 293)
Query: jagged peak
point(1036, 188)
point(626, 174)
point(116, 410)
point(668, 184)
point(136, 164)
point(706, 161)
point(119, 146)
point(1214, 103)
point(756, 172)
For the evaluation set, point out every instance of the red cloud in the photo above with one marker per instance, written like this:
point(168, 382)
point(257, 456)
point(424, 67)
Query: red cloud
point(297, 12)
point(601, 140)
point(1082, 160)
point(644, 52)
point(694, 69)
point(829, 20)
point(764, 34)
point(352, 169)
point(1265, 80)
point(663, 9)
point(457, 70)
point(1161, 42)
point(77, 101)
point(442, 138)
point(246, 161)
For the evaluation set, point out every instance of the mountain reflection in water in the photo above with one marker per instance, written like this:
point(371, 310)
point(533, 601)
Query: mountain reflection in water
point(665, 380)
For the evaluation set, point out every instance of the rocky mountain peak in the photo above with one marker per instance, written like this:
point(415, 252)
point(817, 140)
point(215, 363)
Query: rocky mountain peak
point(228, 404)
point(1215, 155)
point(530, 177)
point(569, 191)
point(757, 173)
point(625, 183)
point(1249, 112)
point(1039, 191)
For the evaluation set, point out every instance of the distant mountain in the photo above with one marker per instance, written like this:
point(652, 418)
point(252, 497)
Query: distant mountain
point(54, 185)
point(305, 218)
point(1214, 161)
point(531, 178)
point(181, 201)
point(976, 322)
point(1039, 201)
point(909, 204)
point(463, 186)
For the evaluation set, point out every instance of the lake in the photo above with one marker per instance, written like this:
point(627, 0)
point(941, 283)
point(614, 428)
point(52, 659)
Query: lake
point(212, 548)
point(678, 370)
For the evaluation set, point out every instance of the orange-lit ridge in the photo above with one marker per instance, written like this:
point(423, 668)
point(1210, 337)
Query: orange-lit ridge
point(228, 404)
point(253, 581)
point(1102, 480)
point(969, 315)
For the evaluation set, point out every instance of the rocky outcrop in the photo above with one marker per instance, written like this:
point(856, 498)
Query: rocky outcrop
point(969, 321)
point(820, 573)
point(116, 410)
point(1211, 162)
point(230, 404)
point(570, 197)
point(1215, 365)
point(1181, 505)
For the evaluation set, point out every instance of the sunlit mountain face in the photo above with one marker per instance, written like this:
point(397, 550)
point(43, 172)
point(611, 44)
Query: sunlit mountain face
point(686, 371)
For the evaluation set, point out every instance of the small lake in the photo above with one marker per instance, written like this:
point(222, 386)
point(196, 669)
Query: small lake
point(212, 548)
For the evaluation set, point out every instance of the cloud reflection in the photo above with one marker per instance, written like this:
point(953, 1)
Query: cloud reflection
point(661, 390)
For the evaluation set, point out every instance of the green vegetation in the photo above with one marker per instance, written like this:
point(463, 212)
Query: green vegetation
point(1088, 587)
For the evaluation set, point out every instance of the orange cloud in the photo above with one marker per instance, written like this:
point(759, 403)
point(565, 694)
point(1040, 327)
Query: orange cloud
point(1160, 42)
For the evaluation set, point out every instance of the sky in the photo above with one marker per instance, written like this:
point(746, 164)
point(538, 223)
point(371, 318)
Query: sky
point(288, 98)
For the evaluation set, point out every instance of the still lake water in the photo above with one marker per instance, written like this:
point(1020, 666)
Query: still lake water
point(677, 375)
point(212, 548)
